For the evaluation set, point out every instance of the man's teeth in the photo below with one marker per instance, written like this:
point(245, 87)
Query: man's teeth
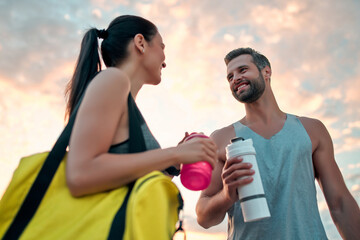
point(241, 86)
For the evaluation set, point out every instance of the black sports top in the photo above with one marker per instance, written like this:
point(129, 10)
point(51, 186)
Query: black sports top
point(136, 118)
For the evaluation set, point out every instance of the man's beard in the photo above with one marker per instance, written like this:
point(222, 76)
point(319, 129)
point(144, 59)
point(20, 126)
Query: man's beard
point(256, 89)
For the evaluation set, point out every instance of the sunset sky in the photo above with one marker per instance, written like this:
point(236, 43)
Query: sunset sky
point(313, 47)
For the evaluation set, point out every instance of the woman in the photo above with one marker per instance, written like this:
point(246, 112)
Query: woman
point(133, 52)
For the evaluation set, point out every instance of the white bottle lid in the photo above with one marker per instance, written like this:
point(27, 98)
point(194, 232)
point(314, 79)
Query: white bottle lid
point(239, 146)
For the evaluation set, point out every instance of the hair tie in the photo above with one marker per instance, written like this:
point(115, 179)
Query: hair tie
point(102, 34)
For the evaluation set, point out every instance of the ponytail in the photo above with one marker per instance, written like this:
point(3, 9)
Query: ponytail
point(87, 66)
point(117, 37)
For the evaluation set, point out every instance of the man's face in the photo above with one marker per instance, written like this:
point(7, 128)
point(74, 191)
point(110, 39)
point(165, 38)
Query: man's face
point(246, 81)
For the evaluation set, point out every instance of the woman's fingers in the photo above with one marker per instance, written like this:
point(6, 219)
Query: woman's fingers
point(198, 149)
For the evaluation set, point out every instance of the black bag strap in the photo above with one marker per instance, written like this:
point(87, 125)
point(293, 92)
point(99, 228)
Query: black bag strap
point(136, 144)
point(42, 181)
point(50, 166)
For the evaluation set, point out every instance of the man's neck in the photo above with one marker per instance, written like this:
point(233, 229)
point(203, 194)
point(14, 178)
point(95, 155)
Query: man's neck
point(265, 110)
point(264, 116)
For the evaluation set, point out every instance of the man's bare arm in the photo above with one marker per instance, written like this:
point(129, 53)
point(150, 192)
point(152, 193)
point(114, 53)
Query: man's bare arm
point(343, 208)
point(216, 200)
point(212, 206)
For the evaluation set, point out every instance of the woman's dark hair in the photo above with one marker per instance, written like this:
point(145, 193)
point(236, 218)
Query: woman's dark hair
point(113, 50)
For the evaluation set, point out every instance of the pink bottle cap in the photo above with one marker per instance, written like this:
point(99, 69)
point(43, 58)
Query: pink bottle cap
point(196, 176)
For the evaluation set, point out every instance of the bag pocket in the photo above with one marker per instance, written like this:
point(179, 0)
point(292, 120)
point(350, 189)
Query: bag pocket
point(153, 208)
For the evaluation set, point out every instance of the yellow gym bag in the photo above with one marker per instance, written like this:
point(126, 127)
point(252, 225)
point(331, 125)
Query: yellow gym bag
point(38, 205)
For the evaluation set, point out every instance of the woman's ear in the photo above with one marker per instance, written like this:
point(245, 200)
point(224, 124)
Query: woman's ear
point(139, 42)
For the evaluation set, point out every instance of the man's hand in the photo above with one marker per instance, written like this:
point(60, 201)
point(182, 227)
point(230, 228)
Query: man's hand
point(235, 174)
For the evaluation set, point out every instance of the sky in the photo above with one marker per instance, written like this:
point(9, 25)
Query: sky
point(313, 47)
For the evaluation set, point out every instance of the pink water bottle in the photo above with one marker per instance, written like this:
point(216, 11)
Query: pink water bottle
point(196, 176)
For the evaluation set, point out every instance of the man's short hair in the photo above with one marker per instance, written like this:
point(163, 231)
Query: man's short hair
point(259, 60)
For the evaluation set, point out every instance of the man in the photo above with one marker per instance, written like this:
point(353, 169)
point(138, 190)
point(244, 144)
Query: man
point(291, 152)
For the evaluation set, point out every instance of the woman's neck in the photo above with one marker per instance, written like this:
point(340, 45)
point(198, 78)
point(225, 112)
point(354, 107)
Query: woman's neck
point(132, 71)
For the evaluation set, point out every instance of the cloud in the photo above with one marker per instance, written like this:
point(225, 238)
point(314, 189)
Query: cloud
point(97, 13)
point(43, 39)
point(34, 41)
point(30, 121)
point(355, 188)
point(354, 166)
point(353, 180)
point(110, 5)
point(279, 18)
point(353, 177)
point(351, 95)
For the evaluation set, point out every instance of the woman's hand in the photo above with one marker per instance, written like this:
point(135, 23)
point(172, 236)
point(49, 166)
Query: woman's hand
point(197, 149)
point(182, 140)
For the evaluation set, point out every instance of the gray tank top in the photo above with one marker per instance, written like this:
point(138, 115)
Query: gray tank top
point(150, 142)
point(286, 168)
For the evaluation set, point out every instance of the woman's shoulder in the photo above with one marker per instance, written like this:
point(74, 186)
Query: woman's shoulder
point(111, 79)
point(111, 84)
point(114, 74)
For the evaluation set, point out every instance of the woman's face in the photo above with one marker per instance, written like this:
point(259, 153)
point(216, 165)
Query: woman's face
point(154, 60)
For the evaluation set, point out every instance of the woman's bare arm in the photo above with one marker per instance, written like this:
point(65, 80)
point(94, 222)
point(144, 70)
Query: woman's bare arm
point(102, 121)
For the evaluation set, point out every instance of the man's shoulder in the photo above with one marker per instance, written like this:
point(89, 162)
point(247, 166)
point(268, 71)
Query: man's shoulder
point(314, 127)
point(223, 131)
point(308, 121)
point(223, 135)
